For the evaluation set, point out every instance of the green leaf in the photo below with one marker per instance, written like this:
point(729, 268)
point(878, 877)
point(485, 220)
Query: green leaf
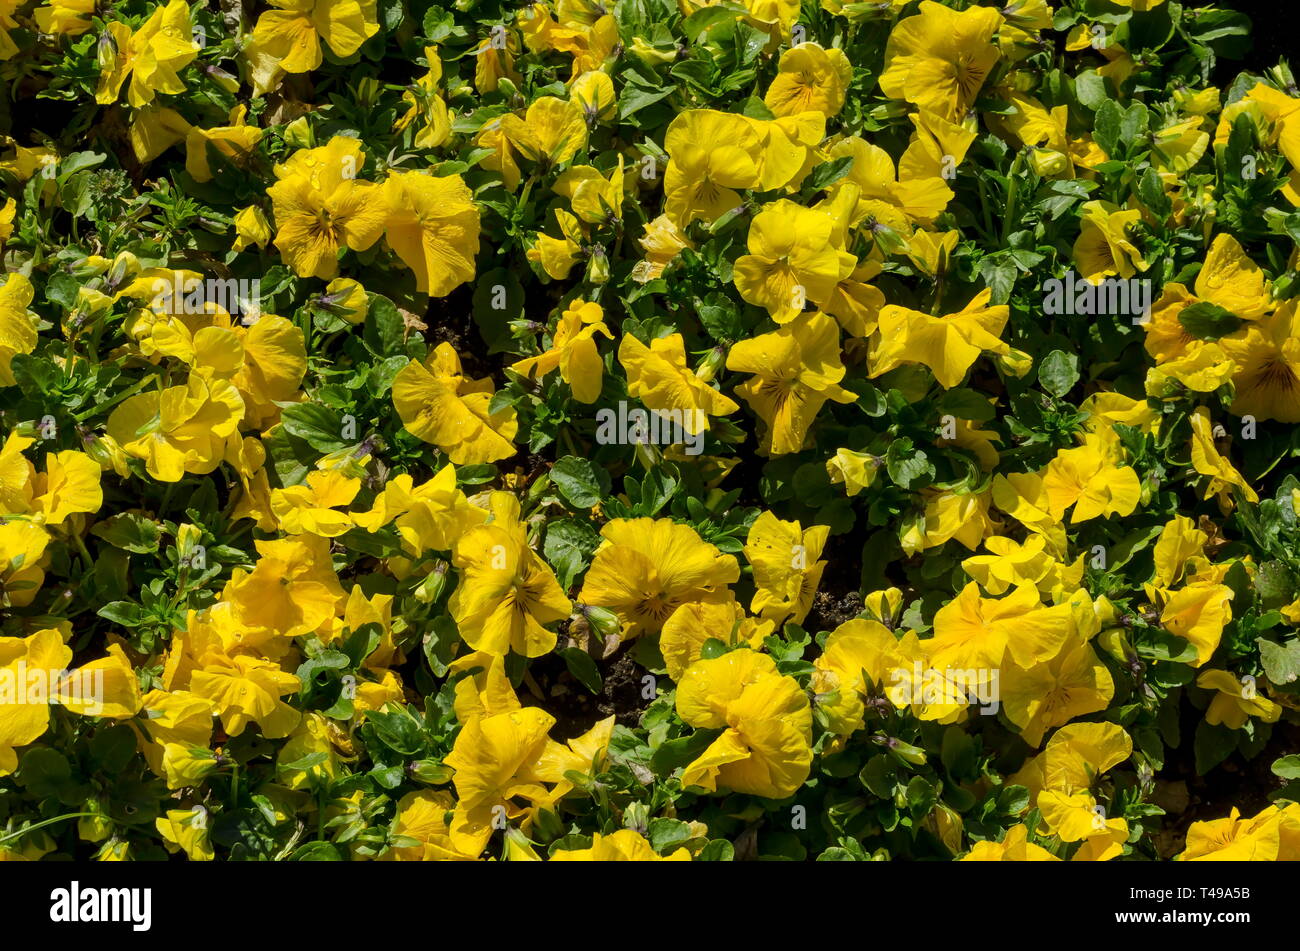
point(569, 545)
point(720, 317)
point(130, 532)
point(828, 173)
point(126, 613)
point(1152, 194)
point(1208, 321)
point(316, 852)
point(1213, 745)
point(583, 668)
point(1058, 372)
point(1281, 661)
point(385, 330)
point(706, 17)
point(318, 425)
point(908, 467)
point(665, 835)
point(1106, 127)
point(577, 480)
point(635, 96)
point(1275, 585)
point(1133, 124)
point(677, 753)
point(967, 404)
point(717, 850)
point(1288, 767)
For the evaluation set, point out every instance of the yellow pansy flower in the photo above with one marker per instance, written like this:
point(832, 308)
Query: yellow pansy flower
point(1078, 817)
point(7, 212)
point(625, 845)
point(186, 830)
point(645, 569)
point(22, 548)
point(973, 632)
point(1103, 247)
point(551, 132)
point(1235, 701)
point(1266, 357)
point(557, 256)
point(948, 515)
point(23, 719)
point(594, 197)
point(1049, 694)
point(64, 17)
point(765, 747)
point(421, 820)
point(786, 570)
point(948, 345)
point(310, 508)
point(940, 58)
point(487, 756)
point(885, 199)
point(712, 154)
point(1089, 478)
point(593, 93)
point(1207, 461)
point(658, 376)
point(791, 261)
point(180, 429)
point(287, 39)
point(430, 516)
point(809, 78)
point(234, 142)
point(507, 593)
point(251, 228)
point(424, 103)
point(790, 148)
point(796, 369)
point(68, 486)
point(432, 224)
point(1198, 613)
point(1011, 564)
point(346, 298)
point(691, 625)
point(662, 242)
point(244, 690)
point(854, 470)
point(17, 325)
point(320, 206)
point(1233, 839)
point(501, 158)
point(292, 589)
point(1014, 847)
point(179, 727)
point(865, 666)
point(573, 351)
point(1075, 757)
point(151, 56)
point(440, 405)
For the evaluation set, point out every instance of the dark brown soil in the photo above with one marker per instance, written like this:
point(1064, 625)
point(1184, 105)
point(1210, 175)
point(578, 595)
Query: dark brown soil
point(575, 708)
point(830, 610)
point(622, 694)
point(1236, 782)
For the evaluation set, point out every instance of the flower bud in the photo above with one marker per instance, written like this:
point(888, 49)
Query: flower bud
point(431, 588)
point(1016, 362)
point(598, 266)
point(603, 622)
point(298, 133)
point(1049, 163)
